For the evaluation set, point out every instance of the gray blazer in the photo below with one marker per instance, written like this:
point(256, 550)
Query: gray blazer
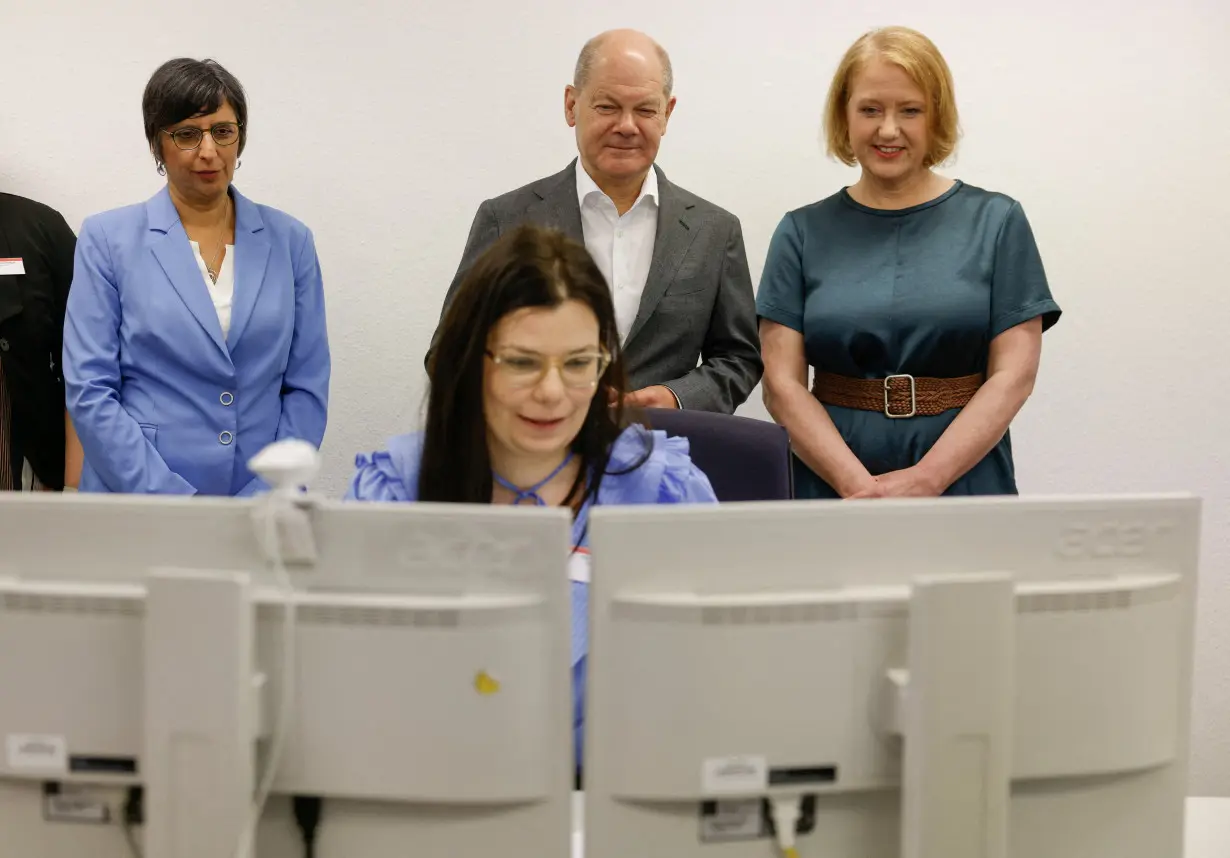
point(697, 305)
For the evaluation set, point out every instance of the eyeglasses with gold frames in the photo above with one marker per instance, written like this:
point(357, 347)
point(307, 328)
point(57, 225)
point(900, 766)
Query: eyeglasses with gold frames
point(578, 370)
point(189, 138)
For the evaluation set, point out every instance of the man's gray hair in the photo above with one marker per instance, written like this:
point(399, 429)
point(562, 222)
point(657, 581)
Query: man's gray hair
point(589, 55)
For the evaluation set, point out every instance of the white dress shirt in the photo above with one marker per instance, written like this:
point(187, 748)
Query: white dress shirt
point(622, 246)
point(223, 292)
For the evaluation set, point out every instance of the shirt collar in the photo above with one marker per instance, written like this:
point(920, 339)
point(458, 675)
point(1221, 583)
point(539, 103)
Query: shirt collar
point(587, 187)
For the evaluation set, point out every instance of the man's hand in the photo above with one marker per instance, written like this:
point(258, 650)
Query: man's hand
point(656, 396)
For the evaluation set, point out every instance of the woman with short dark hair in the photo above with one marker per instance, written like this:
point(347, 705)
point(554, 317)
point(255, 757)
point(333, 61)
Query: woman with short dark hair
point(195, 333)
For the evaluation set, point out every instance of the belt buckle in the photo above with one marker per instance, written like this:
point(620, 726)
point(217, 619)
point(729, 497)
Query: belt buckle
point(913, 396)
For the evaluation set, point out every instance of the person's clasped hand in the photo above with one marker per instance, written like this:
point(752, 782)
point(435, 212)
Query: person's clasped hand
point(906, 483)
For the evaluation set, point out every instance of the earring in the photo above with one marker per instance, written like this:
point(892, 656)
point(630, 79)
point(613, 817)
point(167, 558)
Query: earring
point(162, 170)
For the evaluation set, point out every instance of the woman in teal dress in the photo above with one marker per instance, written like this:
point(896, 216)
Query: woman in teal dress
point(919, 301)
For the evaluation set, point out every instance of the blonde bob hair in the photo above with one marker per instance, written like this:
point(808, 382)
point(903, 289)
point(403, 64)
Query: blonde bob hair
point(919, 58)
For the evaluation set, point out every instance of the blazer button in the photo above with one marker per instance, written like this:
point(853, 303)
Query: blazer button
point(4, 345)
point(226, 398)
point(225, 438)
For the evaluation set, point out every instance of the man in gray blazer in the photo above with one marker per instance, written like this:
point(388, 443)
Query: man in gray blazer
point(675, 263)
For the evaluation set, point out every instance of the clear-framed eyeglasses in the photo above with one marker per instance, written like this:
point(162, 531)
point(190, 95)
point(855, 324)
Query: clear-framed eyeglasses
point(189, 138)
point(579, 371)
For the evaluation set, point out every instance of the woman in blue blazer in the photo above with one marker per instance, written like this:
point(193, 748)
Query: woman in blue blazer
point(195, 332)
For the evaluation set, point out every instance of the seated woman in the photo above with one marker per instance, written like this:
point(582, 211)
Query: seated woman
point(525, 406)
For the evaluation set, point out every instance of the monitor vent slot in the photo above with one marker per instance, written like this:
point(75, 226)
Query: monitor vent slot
point(77, 605)
point(1068, 603)
point(740, 615)
point(401, 616)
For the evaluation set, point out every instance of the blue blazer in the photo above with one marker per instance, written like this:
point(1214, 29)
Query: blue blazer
point(164, 405)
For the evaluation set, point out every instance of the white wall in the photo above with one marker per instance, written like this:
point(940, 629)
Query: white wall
point(383, 124)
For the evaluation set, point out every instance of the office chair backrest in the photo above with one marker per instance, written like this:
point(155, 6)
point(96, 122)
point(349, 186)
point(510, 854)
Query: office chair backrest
point(745, 459)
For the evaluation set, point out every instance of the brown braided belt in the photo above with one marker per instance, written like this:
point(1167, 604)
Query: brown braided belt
point(897, 395)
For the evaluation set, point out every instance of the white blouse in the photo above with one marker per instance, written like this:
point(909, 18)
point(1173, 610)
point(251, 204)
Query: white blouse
point(222, 292)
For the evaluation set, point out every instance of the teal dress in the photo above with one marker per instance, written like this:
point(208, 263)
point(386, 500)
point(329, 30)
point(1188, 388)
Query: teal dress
point(922, 291)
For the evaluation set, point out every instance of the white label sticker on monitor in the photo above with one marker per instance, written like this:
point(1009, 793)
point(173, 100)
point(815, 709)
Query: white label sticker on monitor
point(578, 565)
point(731, 819)
point(37, 753)
point(733, 775)
point(74, 803)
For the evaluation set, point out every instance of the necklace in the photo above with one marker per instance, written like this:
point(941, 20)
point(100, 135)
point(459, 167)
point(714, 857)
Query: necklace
point(214, 269)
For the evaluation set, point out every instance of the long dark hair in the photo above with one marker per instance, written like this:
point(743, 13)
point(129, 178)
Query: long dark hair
point(528, 267)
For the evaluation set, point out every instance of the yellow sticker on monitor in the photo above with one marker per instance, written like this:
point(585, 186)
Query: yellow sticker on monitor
point(484, 684)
